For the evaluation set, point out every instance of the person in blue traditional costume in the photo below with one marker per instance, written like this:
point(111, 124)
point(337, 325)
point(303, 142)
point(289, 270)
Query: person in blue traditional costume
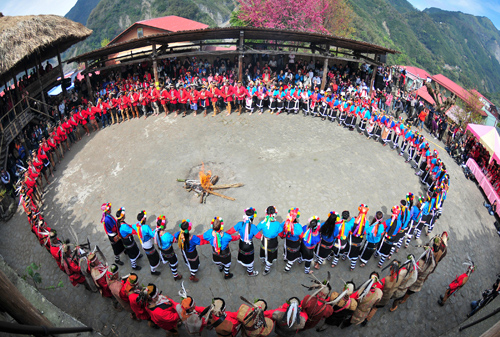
point(269, 228)
point(310, 239)
point(164, 240)
point(291, 233)
point(221, 254)
point(146, 236)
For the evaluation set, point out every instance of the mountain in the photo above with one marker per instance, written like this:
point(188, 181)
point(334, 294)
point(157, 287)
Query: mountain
point(81, 10)
point(463, 47)
point(111, 17)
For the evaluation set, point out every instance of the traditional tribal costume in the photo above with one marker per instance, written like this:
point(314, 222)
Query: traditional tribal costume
point(342, 229)
point(374, 232)
point(304, 99)
point(408, 280)
point(250, 98)
point(98, 272)
point(292, 231)
point(162, 310)
point(392, 227)
point(247, 230)
point(129, 293)
point(398, 130)
point(343, 305)
point(115, 285)
point(366, 115)
point(111, 229)
point(367, 296)
point(189, 314)
point(316, 305)
point(457, 283)
point(255, 322)
point(416, 216)
point(146, 236)
point(310, 239)
point(324, 249)
point(289, 318)
point(408, 136)
point(187, 243)
point(426, 266)
point(221, 254)
point(127, 233)
point(164, 240)
point(405, 218)
point(357, 234)
point(261, 97)
point(270, 228)
point(224, 323)
point(390, 284)
point(425, 217)
point(60, 252)
point(42, 231)
point(371, 125)
point(388, 127)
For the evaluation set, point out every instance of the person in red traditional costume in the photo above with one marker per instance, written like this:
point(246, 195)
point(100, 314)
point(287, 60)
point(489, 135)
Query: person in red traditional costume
point(289, 318)
point(162, 310)
point(223, 322)
point(98, 272)
point(457, 283)
point(227, 92)
point(315, 305)
point(60, 252)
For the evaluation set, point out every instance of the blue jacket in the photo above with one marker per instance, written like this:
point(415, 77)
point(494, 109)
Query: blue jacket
point(314, 238)
point(224, 241)
point(193, 241)
point(270, 230)
point(297, 231)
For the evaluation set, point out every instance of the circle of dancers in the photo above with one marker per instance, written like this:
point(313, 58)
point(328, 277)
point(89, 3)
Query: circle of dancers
point(314, 243)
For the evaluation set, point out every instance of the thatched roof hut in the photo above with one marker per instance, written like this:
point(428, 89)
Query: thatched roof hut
point(22, 37)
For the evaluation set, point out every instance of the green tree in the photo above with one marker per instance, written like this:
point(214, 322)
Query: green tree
point(104, 42)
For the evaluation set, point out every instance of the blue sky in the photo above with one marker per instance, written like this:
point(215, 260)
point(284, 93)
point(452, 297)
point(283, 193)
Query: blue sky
point(488, 8)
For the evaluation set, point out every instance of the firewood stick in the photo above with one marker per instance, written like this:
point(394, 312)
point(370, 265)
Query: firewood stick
point(220, 195)
point(219, 187)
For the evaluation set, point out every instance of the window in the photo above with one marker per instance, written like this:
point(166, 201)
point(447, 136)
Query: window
point(140, 32)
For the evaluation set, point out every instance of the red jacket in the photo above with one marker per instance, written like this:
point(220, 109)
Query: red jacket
point(227, 92)
point(164, 314)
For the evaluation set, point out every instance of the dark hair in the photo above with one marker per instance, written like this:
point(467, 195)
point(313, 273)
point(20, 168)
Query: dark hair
point(329, 226)
point(140, 216)
point(270, 210)
point(217, 225)
point(345, 215)
point(313, 224)
point(403, 202)
point(250, 212)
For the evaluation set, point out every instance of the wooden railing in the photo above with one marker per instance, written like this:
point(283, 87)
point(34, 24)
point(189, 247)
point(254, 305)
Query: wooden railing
point(16, 119)
point(34, 88)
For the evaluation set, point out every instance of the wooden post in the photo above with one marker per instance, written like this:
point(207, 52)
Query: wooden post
point(374, 74)
point(155, 66)
point(40, 82)
point(62, 72)
point(18, 306)
point(325, 68)
point(240, 57)
point(89, 86)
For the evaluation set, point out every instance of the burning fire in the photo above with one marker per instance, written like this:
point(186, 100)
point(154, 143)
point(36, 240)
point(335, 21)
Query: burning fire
point(205, 178)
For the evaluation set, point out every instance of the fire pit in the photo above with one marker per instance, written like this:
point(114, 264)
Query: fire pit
point(206, 185)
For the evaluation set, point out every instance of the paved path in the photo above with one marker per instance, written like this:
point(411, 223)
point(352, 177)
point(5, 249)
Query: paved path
point(286, 161)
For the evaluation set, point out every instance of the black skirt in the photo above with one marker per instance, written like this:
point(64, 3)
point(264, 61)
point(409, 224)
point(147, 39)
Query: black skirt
point(385, 247)
point(356, 244)
point(324, 249)
point(272, 249)
point(191, 259)
point(246, 253)
point(292, 250)
point(223, 257)
point(306, 252)
point(153, 257)
point(337, 318)
point(131, 247)
point(169, 255)
point(117, 246)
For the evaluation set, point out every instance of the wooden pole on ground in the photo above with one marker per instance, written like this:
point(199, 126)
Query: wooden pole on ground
point(39, 61)
point(155, 66)
point(374, 74)
point(17, 306)
point(240, 57)
point(89, 86)
point(62, 72)
point(325, 69)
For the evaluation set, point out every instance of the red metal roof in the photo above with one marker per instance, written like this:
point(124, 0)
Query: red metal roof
point(451, 86)
point(481, 95)
point(167, 24)
point(422, 93)
point(173, 23)
point(417, 72)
